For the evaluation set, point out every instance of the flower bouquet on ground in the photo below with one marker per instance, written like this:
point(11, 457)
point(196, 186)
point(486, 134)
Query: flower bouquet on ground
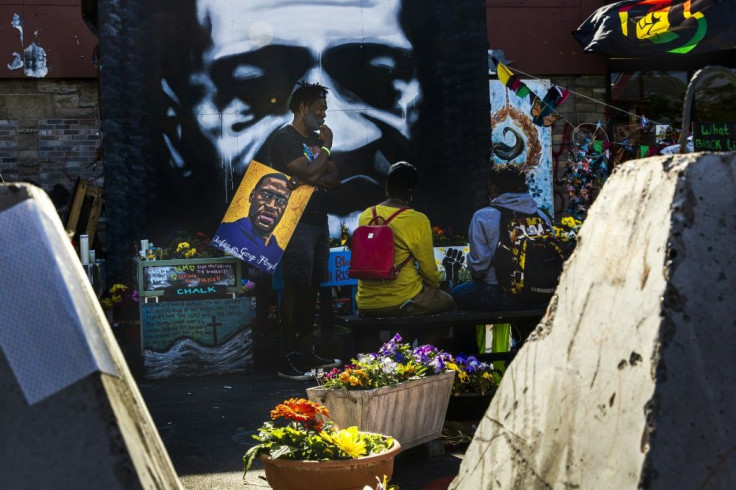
point(301, 433)
point(473, 376)
point(473, 388)
point(566, 232)
point(121, 301)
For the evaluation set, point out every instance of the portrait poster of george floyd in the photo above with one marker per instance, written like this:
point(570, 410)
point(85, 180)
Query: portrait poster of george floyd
point(261, 218)
point(192, 91)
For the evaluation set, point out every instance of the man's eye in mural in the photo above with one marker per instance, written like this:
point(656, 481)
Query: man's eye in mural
point(508, 152)
point(368, 73)
point(261, 79)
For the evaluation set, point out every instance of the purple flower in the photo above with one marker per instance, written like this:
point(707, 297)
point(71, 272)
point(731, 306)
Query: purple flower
point(438, 364)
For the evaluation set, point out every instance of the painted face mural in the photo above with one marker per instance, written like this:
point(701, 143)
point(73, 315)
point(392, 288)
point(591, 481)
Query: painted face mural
point(193, 91)
point(256, 53)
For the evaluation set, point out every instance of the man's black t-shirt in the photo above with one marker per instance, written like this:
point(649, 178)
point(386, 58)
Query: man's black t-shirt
point(288, 145)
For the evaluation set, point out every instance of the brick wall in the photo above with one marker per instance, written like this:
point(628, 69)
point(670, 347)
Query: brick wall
point(49, 134)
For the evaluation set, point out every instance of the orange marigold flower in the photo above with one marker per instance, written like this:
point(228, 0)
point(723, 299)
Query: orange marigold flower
point(299, 410)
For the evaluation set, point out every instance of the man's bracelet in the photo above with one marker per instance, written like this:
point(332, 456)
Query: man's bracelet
point(329, 153)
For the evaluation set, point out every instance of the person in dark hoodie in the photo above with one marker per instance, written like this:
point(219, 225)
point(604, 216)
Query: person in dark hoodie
point(508, 190)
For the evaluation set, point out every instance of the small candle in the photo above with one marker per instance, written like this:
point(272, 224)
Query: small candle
point(84, 249)
point(144, 246)
point(92, 256)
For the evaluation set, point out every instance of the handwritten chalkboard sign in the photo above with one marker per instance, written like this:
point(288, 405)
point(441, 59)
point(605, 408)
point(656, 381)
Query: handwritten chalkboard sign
point(209, 323)
point(188, 279)
point(714, 136)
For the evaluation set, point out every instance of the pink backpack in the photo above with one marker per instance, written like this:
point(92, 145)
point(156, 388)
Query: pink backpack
point(372, 250)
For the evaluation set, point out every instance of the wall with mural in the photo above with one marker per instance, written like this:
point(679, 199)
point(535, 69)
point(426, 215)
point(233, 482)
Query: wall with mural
point(192, 91)
point(517, 140)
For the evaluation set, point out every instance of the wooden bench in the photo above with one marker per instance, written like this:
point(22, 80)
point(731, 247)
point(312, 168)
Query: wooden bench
point(365, 329)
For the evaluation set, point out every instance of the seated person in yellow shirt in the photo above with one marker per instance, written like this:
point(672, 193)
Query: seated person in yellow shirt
point(415, 291)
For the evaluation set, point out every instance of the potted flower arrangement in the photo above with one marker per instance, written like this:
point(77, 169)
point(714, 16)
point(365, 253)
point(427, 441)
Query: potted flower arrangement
point(473, 387)
point(399, 390)
point(299, 449)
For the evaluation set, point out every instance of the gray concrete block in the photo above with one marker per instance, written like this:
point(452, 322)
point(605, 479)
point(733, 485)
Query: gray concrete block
point(72, 415)
point(628, 381)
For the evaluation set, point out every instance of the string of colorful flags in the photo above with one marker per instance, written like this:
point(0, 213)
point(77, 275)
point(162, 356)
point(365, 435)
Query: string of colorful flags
point(590, 153)
point(543, 110)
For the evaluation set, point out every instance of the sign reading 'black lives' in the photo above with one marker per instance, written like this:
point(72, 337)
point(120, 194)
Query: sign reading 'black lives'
point(714, 136)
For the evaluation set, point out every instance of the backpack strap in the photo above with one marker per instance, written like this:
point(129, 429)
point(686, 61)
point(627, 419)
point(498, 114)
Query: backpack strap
point(374, 220)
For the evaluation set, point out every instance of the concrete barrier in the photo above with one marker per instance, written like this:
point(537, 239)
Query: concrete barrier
point(628, 380)
point(72, 416)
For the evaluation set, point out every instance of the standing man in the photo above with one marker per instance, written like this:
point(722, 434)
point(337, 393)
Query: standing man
point(302, 149)
point(251, 238)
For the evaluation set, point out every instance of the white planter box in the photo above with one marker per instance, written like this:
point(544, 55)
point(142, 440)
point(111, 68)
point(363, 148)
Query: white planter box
point(412, 412)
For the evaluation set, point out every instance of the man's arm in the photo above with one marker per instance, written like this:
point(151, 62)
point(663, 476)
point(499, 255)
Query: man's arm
point(312, 171)
point(331, 178)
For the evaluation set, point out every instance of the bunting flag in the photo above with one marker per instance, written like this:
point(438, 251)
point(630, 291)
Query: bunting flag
point(651, 28)
point(511, 81)
point(543, 110)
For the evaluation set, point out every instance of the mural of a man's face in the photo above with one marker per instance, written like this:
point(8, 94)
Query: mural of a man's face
point(267, 204)
point(260, 48)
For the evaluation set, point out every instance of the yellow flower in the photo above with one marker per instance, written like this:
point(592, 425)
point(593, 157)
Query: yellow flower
point(118, 287)
point(486, 375)
point(350, 442)
point(182, 247)
point(355, 381)
point(452, 366)
point(464, 378)
point(190, 253)
point(568, 221)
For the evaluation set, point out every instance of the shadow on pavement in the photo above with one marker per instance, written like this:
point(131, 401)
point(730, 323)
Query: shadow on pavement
point(206, 424)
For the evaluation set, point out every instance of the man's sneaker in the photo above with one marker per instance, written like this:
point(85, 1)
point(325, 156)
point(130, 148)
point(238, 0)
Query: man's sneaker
point(291, 367)
point(312, 360)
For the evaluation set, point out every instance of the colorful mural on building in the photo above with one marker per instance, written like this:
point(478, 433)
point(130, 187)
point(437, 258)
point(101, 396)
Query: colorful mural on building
point(515, 139)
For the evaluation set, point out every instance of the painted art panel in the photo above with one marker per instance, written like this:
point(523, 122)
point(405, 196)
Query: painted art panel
point(516, 140)
point(262, 217)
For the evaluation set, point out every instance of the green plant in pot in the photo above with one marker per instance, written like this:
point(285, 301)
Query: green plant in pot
point(301, 448)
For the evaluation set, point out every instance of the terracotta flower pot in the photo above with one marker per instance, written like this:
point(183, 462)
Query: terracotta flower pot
point(342, 474)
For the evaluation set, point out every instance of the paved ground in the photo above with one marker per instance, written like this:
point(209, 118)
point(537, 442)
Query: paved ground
point(206, 424)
